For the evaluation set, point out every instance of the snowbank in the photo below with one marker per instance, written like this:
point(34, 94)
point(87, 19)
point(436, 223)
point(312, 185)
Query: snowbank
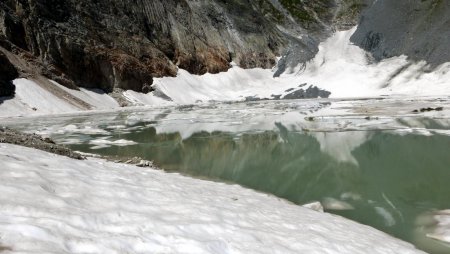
point(97, 98)
point(344, 69)
point(53, 204)
point(34, 99)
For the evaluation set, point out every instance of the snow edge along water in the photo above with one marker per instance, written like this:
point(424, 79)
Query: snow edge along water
point(341, 68)
point(58, 205)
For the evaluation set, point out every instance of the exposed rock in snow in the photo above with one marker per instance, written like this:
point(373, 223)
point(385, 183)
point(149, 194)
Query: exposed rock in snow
point(57, 205)
point(7, 73)
point(35, 141)
point(308, 93)
point(339, 68)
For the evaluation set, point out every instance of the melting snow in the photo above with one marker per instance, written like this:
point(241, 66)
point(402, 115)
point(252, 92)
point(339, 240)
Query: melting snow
point(53, 204)
point(340, 67)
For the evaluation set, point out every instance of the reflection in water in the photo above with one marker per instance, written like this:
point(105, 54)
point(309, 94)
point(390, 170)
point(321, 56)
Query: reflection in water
point(340, 145)
point(385, 172)
point(387, 178)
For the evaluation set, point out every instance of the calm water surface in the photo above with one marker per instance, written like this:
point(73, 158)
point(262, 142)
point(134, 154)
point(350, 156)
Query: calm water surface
point(386, 172)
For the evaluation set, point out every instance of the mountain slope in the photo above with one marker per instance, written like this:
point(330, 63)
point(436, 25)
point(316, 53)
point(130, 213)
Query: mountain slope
point(124, 44)
point(419, 29)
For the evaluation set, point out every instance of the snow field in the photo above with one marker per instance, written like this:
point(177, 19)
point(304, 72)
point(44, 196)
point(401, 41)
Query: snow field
point(52, 204)
point(344, 69)
point(339, 67)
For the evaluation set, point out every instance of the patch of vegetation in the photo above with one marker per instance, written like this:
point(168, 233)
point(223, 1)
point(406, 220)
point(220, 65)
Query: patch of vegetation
point(297, 9)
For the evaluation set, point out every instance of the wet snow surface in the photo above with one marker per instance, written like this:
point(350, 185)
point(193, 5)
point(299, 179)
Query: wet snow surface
point(339, 70)
point(51, 204)
point(340, 67)
point(338, 142)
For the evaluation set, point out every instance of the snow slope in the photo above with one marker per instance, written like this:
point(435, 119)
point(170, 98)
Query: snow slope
point(33, 99)
point(339, 67)
point(30, 95)
point(52, 204)
point(344, 69)
point(95, 97)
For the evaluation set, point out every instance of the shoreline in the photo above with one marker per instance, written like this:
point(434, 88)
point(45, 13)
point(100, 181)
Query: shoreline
point(293, 223)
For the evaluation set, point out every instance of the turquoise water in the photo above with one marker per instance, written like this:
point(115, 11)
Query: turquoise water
point(383, 177)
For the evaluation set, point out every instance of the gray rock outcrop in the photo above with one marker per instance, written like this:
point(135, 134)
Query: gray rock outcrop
point(319, 20)
point(419, 29)
point(124, 44)
point(119, 44)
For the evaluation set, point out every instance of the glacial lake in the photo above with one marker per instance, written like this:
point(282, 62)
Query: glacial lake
point(386, 168)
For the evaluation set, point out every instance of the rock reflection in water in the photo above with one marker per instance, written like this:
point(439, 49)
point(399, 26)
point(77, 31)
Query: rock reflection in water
point(388, 179)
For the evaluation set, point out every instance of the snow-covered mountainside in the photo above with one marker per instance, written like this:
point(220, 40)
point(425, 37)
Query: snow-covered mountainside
point(65, 56)
point(339, 70)
point(123, 44)
point(52, 204)
point(224, 51)
point(339, 67)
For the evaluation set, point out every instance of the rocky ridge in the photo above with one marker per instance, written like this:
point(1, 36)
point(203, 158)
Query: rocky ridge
point(123, 45)
point(418, 29)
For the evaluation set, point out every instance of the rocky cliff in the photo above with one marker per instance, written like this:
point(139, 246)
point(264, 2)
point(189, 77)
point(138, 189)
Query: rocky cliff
point(419, 29)
point(124, 44)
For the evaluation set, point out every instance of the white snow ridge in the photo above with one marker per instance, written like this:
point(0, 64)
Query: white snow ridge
point(52, 204)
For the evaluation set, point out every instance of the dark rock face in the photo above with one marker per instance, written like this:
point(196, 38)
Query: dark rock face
point(308, 93)
point(7, 73)
point(312, 92)
point(7, 69)
point(416, 28)
point(318, 19)
point(123, 44)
